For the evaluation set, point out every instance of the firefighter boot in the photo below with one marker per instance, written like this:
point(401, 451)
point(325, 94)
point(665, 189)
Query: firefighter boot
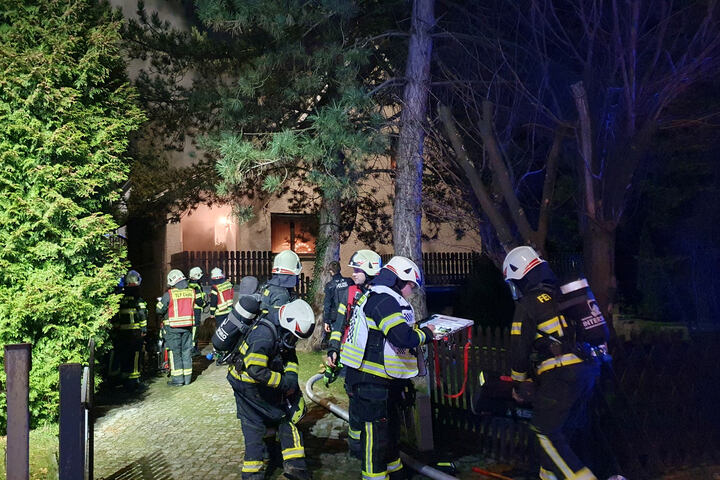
point(295, 473)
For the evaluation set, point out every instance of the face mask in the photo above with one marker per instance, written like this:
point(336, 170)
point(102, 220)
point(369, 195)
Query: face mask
point(288, 340)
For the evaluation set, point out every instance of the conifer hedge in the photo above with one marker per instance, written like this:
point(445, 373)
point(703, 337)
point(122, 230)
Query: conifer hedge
point(66, 110)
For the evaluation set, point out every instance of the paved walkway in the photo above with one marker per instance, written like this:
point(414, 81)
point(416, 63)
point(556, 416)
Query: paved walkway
point(144, 437)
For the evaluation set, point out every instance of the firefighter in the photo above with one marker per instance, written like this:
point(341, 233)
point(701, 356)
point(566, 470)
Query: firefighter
point(330, 299)
point(381, 356)
point(221, 296)
point(264, 378)
point(196, 274)
point(178, 303)
point(128, 335)
point(366, 265)
point(543, 346)
point(279, 290)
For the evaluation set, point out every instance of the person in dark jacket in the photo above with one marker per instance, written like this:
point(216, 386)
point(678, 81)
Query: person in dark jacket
point(381, 354)
point(196, 274)
point(543, 346)
point(264, 379)
point(336, 282)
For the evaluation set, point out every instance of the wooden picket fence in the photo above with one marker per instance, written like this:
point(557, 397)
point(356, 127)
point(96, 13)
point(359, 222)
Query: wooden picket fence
point(442, 268)
point(655, 410)
point(446, 268)
point(235, 265)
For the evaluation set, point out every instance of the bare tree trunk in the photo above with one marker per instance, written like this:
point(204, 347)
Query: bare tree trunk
point(407, 213)
point(327, 249)
point(599, 255)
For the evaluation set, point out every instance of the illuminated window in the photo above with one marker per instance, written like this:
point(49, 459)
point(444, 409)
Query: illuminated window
point(296, 232)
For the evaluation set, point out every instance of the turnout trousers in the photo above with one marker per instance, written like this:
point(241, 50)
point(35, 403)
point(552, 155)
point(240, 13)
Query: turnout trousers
point(559, 409)
point(257, 411)
point(179, 343)
point(377, 409)
point(125, 358)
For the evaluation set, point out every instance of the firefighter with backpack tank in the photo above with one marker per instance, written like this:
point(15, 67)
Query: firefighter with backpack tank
point(544, 345)
point(221, 296)
point(196, 274)
point(381, 356)
point(280, 289)
point(178, 303)
point(264, 378)
point(366, 265)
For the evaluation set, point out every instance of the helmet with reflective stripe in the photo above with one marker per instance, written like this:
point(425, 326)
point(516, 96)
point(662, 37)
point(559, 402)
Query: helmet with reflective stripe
point(196, 273)
point(297, 317)
point(133, 279)
point(216, 273)
point(287, 263)
point(367, 261)
point(405, 269)
point(174, 276)
point(519, 261)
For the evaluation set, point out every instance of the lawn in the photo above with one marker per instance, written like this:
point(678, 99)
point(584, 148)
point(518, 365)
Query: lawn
point(43, 453)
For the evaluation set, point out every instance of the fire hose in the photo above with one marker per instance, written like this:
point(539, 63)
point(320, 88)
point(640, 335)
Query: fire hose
point(416, 465)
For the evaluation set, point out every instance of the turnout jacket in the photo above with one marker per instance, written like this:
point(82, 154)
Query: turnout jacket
point(387, 321)
point(178, 303)
point(261, 362)
point(540, 337)
point(277, 292)
point(133, 312)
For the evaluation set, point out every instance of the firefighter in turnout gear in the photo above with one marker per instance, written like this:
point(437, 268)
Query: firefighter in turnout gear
point(381, 356)
point(196, 275)
point(543, 346)
point(279, 290)
point(366, 265)
point(178, 303)
point(264, 378)
point(128, 334)
point(221, 296)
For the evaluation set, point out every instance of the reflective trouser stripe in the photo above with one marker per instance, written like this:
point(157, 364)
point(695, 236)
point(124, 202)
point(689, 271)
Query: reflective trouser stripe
point(296, 450)
point(394, 466)
point(354, 434)
point(173, 371)
point(547, 445)
point(136, 366)
point(368, 472)
point(252, 466)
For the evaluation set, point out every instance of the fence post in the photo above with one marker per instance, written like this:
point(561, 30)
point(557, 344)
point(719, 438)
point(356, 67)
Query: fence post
point(18, 362)
point(72, 421)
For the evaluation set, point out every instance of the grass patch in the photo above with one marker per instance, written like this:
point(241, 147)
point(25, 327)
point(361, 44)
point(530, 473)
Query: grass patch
point(43, 453)
point(312, 363)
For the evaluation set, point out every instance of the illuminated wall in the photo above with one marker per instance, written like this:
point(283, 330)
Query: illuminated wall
point(209, 229)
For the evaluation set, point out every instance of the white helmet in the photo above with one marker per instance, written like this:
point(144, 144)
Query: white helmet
point(405, 269)
point(216, 273)
point(196, 273)
point(174, 276)
point(519, 261)
point(298, 318)
point(287, 263)
point(367, 261)
point(133, 279)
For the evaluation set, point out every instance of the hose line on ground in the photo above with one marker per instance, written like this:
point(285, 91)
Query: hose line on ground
point(416, 465)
